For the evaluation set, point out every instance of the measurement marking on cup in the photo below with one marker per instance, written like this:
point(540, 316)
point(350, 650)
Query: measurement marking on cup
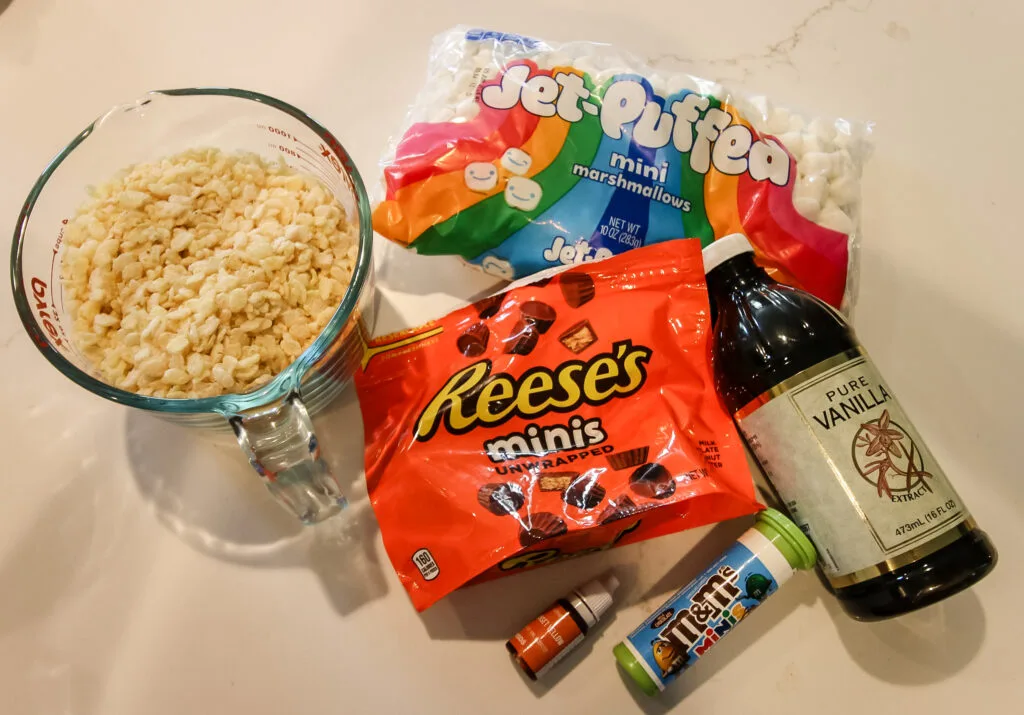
point(314, 167)
point(275, 130)
point(329, 155)
point(285, 150)
point(53, 289)
point(317, 170)
point(314, 159)
point(306, 146)
point(323, 152)
point(60, 284)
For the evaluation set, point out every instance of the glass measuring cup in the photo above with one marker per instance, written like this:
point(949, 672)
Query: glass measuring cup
point(272, 423)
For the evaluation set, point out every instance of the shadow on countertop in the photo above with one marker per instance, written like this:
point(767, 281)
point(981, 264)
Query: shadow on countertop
point(919, 648)
point(32, 592)
point(72, 550)
point(202, 489)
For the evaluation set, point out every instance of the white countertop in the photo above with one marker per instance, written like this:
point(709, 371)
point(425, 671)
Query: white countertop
point(143, 570)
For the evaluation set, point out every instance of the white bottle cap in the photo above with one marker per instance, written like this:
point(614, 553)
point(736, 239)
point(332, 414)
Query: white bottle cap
point(725, 248)
point(593, 599)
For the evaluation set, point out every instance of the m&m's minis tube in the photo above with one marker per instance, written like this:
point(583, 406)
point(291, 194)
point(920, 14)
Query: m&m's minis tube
point(697, 616)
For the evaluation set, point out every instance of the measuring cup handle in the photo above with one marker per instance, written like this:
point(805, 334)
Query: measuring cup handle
point(283, 449)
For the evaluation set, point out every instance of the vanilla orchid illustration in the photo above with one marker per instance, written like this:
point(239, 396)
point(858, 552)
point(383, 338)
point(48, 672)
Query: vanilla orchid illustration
point(878, 438)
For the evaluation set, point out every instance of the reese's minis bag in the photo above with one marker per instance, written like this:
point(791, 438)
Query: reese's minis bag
point(566, 416)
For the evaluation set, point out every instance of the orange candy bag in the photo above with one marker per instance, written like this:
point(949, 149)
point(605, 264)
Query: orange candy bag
point(562, 417)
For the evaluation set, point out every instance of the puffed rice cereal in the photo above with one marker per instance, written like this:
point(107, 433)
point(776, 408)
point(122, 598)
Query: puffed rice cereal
point(204, 273)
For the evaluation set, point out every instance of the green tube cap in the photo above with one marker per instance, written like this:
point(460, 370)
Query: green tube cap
point(787, 538)
point(636, 671)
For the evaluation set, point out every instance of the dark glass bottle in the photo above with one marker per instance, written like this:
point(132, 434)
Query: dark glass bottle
point(841, 454)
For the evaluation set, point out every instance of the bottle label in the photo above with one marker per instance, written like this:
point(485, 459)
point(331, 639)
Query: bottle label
point(547, 639)
point(694, 619)
point(852, 470)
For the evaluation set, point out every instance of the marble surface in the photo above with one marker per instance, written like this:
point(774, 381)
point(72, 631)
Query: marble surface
point(143, 570)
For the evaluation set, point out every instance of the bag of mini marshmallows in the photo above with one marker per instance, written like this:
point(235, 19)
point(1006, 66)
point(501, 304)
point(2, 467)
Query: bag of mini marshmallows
point(520, 155)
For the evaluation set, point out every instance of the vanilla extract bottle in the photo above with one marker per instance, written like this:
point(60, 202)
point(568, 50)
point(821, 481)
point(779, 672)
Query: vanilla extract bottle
point(891, 533)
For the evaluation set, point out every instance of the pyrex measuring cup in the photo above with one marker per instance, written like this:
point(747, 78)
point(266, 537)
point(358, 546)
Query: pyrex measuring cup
point(272, 424)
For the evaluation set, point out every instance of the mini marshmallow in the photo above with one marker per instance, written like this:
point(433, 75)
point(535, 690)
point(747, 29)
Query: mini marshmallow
point(522, 193)
point(586, 66)
point(815, 163)
point(843, 191)
point(464, 83)
point(844, 141)
point(443, 84)
point(467, 108)
point(609, 61)
point(559, 59)
point(842, 164)
point(484, 57)
point(516, 161)
point(443, 113)
point(823, 129)
point(807, 207)
point(678, 83)
point(835, 218)
point(658, 84)
point(812, 187)
point(794, 143)
point(796, 123)
point(778, 122)
point(513, 50)
point(712, 89)
point(812, 143)
point(498, 267)
point(481, 176)
point(760, 103)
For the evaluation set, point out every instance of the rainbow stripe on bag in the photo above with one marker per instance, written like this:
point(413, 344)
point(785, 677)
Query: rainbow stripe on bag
point(554, 169)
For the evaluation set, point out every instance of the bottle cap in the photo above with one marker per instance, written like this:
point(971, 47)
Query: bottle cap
point(632, 665)
point(593, 599)
point(725, 248)
point(787, 538)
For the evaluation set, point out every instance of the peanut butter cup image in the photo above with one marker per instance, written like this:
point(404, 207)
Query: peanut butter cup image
point(523, 339)
point(579, 337)
point(652, 481)
point(473, 342)
point(538, 314)
point(584, 493)
point(577, 288)
point(629, 458)
point(501, 499)
point(556, 481)
point(541, 527)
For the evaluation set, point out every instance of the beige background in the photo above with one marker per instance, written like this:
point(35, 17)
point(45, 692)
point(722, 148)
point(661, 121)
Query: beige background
point(145, 571)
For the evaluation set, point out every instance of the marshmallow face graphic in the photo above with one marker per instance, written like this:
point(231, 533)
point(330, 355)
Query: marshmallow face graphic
point(516, 161)
point(498, 268)
point(481, 176)
point(523, 194)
